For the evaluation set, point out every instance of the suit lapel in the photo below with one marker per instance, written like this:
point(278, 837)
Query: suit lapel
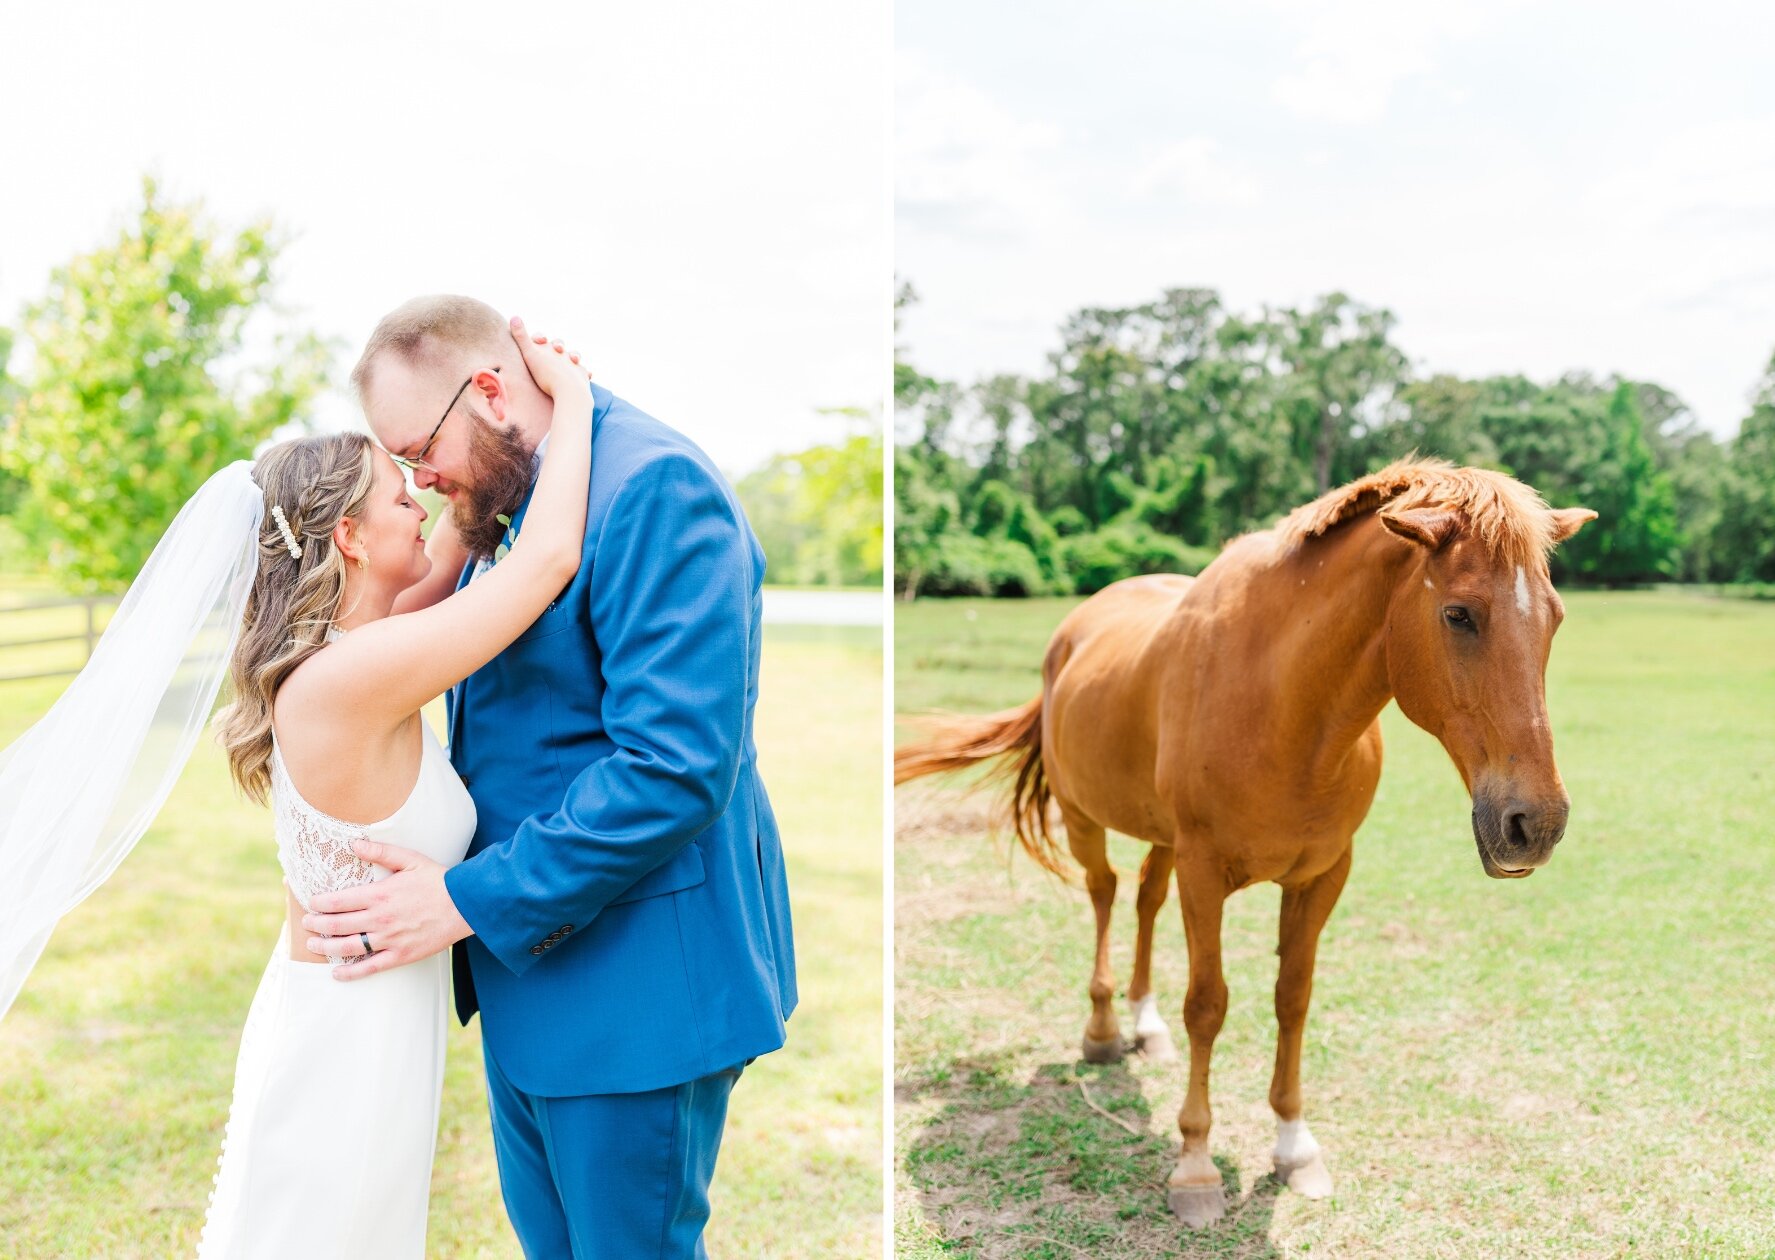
point(601, 401)
point(453, 701)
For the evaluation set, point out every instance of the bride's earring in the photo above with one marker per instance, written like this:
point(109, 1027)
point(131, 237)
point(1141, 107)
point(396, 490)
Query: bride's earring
point(363, 562)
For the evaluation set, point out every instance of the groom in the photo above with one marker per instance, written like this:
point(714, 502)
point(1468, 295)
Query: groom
point(621, 920)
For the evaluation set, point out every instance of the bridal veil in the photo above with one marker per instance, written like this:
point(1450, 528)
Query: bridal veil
point(79, 788)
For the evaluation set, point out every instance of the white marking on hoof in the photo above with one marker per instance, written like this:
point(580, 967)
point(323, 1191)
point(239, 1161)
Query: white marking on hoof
point(1147, 1020)
point(1522, 600)
point(1151, 1035)
point(1299, 1162)
point(1157, 1047)
point(1295, 1143)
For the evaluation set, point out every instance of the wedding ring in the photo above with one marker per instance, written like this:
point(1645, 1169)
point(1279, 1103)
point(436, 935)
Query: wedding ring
point(365, 938)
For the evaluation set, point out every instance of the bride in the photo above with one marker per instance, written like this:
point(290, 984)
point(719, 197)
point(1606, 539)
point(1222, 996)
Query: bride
point(343, 628)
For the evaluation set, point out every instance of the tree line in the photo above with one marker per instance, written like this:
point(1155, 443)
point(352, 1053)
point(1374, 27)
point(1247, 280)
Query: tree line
point(817, 512)
point(1162, 430)
point(135, 392)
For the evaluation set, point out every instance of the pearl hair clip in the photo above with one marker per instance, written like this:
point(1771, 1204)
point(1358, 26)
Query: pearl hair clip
point(283, 527)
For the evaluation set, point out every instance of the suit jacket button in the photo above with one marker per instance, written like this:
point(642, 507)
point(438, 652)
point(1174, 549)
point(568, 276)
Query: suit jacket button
point(566, 928)
point(536, 949)
point(464, 779)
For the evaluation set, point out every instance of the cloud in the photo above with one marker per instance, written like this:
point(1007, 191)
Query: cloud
point(1350, 57)
point(965, 165)
point(1192, 170)
point(1521, 241)
point(1704, 200)
point(1749, 296)
point(1701, 196)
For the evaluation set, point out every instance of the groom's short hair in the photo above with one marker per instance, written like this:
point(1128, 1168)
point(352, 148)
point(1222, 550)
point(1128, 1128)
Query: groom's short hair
point(428, 328)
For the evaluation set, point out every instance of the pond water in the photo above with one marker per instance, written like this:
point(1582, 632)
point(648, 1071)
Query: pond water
point(823, 608)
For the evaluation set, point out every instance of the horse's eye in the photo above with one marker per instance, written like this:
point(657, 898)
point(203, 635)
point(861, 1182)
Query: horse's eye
point(1459, 618)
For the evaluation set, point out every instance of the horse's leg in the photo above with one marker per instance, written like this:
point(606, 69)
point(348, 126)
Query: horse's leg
point(1304, 911)
point(1151, 1037)
point(1194, 1187)
point(1103, 1037)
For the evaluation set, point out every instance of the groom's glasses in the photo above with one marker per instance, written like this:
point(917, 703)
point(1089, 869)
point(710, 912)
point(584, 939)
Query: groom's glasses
point(413, 463)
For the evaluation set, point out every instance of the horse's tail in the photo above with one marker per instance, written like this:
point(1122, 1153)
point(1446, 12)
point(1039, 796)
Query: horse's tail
point(1015, 737)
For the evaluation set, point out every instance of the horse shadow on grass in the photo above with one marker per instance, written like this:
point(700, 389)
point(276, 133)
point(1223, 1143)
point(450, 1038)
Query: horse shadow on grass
point(1059, 1164)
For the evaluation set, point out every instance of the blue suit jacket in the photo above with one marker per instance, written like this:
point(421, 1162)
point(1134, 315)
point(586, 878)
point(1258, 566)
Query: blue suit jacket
point(625, 883)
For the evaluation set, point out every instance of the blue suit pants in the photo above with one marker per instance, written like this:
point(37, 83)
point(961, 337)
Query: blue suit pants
point(609, 1176)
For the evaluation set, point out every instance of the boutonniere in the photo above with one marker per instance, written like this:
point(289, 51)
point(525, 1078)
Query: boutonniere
point(500, 552)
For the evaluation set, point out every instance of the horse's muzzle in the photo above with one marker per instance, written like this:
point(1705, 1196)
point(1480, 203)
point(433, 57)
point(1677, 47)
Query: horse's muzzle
point(1515, 836)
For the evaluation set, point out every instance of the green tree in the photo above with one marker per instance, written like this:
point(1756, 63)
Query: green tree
point(1634, 537)
point(999, 512)
point(1442, 416)
point(1176, 500)
point(1004, 405)
point(927, 513)
point(12, 486)
point(924, 407)
point(1161, 430)
point(1698, 469)
point(1244, 434)
point(1339, 372)
point(1124, 549)
point(909, 383)
point(1544, 435)
point(1695, 463)
point(769, 493)
point(842, 491)
point(817, 512)
point(129, 406)
point(1127, 386)
point(1746, 531)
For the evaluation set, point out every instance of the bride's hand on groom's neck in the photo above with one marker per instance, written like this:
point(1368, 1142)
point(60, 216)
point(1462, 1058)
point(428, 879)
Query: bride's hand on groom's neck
point(556, 370)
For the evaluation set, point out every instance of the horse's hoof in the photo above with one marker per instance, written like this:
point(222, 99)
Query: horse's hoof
point(1102, 1051)
point(1310, 1179)
point(1197, 1206)
point(1156, 1047)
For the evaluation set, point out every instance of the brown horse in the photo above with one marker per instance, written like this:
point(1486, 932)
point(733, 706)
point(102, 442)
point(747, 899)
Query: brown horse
point(1233, 720)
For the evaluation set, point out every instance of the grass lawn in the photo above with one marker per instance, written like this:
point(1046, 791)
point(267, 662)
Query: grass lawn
point(1580, 1064)
point(117, 1061)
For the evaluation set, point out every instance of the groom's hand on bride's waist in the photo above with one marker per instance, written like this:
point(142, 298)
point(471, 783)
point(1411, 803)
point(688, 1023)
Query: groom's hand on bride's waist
point(406, 917)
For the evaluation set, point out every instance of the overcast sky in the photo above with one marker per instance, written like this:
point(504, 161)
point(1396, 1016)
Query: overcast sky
point(1529, 188)
point(696, 194)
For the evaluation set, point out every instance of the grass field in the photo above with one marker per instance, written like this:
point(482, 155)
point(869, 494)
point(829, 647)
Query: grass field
point(116, 1063)
point(1581, 1064)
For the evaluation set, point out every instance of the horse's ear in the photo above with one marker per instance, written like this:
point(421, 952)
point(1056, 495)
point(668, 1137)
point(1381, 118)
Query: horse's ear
point(1427, 527)
point(1568, 521)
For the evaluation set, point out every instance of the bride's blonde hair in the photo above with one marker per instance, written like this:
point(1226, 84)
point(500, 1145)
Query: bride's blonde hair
point(316, 482)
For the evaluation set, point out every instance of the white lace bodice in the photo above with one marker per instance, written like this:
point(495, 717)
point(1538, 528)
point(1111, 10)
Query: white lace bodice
point(437, 819)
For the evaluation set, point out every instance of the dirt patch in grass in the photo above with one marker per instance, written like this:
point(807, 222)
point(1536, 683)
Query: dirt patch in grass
point(924, 811)
point(1012, 1162)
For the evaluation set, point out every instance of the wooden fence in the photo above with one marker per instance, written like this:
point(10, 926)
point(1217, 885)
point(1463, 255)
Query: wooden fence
point(89, 636)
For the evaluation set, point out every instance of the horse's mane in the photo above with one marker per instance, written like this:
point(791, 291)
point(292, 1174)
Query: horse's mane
point(1511, 520)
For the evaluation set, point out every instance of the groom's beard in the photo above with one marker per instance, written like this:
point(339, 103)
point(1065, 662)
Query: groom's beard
point(503, 470)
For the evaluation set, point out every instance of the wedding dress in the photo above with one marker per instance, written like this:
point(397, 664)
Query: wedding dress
point(335, 1112)
point(330, 1138)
